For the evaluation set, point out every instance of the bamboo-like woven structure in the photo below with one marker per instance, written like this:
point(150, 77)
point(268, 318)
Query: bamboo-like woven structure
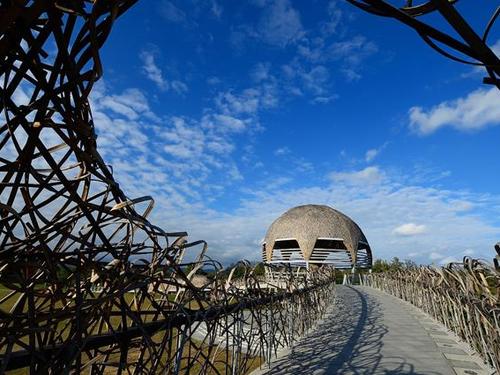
point(88, 284)
point(465, 297)
point(459, 41)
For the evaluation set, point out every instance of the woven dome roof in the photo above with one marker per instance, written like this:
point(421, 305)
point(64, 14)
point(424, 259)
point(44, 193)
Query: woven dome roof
point(308, 223)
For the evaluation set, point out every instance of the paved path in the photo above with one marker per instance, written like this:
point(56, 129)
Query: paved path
point(370, 332)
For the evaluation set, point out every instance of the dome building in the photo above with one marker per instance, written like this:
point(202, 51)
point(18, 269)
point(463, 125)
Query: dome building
point(316, 234)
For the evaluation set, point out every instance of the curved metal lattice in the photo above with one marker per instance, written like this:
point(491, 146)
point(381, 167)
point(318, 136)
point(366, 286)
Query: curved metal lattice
point(88, 284)
point(464, 45)
point(465, 297)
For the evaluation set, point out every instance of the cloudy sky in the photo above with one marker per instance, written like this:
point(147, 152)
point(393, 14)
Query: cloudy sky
point(230, 112)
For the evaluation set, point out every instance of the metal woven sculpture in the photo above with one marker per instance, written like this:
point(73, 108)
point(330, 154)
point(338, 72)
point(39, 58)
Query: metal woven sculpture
point(88, 284)
point(465, 297)
point(467, 47)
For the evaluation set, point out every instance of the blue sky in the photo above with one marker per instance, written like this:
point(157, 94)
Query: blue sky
point(229, 113)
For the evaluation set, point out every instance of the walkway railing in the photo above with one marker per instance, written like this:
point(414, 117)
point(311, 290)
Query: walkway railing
point(465, 297)
point(223, 325)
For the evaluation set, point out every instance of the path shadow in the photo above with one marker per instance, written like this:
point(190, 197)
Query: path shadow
point(348, 340)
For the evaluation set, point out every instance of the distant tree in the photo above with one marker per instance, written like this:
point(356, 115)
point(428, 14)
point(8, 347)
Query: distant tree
point(238, 272)
point(259, 269)
point(203, 272)
point(63, 273)
point(189, 268)
point(396, 264)
point(410, 264)
point(380, 265)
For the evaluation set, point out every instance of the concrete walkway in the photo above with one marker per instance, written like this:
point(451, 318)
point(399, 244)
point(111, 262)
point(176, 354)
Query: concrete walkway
point(371, 332)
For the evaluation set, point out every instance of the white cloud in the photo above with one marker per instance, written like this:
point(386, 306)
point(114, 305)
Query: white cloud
point(179, 180)
point(282, 151)
point(310, 71)
point(280, 24)
point(172, 158)
point(182, 161)
point(448, 259)
point(496, 47)
point(371, 154)
point(187, 163)
point(351, 74)
point(476, 111)
point(224, 123)
point(377, 209)
point(152, 71)
point(435, 256)
point(278, 182)
point(155, 74)
point(374, 152)
point(261, 72)
point(320, 52)
point(179, 87)
point(216, 9)
point(335, 14)
point(21, 95)
point(172, 13)
point(234, 173)
point(351, 52)
point(367, 176)
point(460, 205)
point(410, 229)
point(131, 103)
point(324, 99)
point(248, 101)
point(184, 140)
point(314, 81)
point(213, 80)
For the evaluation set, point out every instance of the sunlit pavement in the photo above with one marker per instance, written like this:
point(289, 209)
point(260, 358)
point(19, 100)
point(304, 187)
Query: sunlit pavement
point(370, 332)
